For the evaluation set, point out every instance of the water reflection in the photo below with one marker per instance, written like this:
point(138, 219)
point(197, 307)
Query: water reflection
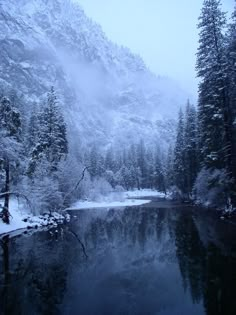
point(209, 270)
point(141, 260)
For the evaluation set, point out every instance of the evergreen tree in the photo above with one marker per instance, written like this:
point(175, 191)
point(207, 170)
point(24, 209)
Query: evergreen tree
point(110, 160)
point(179, 156)
point(191, 151)
point(142, 163)
point(210, 68)
point(169, 168)
point(133, 177)
point(135, 170)
point(32, 131)
point(52, 142)
point(159, 183)
point(10, 130)
point(125, 177)
point(231, 76)
point(95, 163)
point(215, 116)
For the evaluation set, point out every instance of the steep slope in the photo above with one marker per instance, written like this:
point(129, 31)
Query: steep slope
point(108, 94)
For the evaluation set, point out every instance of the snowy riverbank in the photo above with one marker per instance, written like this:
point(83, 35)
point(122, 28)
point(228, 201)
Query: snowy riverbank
point(22, 219)
point(118, 199)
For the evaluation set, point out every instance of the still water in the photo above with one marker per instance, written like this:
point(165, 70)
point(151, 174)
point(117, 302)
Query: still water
point(160, 258)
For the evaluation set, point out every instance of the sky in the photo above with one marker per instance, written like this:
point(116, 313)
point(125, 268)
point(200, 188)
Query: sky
point(162, 32)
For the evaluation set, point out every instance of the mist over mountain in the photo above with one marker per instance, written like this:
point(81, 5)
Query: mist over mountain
point(107, 93)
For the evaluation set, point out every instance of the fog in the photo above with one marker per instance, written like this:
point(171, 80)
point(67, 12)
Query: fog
point(164, 33)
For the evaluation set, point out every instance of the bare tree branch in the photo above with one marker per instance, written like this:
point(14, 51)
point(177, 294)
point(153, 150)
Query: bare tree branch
point(81, 243)
point(77, 184)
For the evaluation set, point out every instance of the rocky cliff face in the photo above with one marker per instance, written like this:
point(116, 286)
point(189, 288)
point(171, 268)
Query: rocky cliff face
point(107, 93)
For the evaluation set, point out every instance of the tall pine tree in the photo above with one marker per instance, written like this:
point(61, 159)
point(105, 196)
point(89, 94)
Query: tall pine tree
point(231, 76)
point(191, 147)
point(215, 117)
point(52, 144)
point(210, 69)
point(179, 156)
point(10, 130)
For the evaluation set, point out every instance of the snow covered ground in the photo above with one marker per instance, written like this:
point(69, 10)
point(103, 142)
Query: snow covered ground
point(118, 199)
point(107, 204)
point(22, 219)
point(143, 193)
point(18, 215)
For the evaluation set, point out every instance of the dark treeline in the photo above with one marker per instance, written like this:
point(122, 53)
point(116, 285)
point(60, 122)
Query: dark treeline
point(204, 159)
point(137, 166)
point(183, 159)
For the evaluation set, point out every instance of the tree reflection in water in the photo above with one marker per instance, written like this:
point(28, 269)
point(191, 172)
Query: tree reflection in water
point(209, 270)
point(143, 260)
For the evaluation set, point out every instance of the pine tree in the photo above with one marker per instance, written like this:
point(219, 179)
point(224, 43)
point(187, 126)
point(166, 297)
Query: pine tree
point(125, 177)
point(156, 172)
point(52, 142)
point(179, 156)
point(191, 147)
point(32, 131)
point(10, 130)
point(135, 170)
point(133, 177)
point(215, 117)
point(95, 163)
point(210, 68)
point(231, 76)
point(169, 168)
point(110, 160)
point(142, 162)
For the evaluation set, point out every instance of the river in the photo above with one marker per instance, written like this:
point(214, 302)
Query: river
point(161, 258)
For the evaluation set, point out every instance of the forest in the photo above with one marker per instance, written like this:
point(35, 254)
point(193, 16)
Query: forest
point(40, 163)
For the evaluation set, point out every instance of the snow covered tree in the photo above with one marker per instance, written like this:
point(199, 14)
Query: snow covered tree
point(212, 95)
point(169, 168)
point(95, 163)
point(10, 130)
point(231, 76)
point(110, 163)
point(134, 167)
point(52, 142)
point(191, 147)
point(125, 177)
point(32, 131)
point(156, 170)
point(179, 156)
point(215, 116)
point(142, 163)
point(133, 177)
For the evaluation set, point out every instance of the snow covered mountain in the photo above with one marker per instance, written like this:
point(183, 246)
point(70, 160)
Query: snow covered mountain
point(108, 94)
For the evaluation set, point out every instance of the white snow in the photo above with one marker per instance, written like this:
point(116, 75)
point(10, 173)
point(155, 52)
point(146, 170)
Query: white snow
point(108, 204)
point(118, 199)
point(19, 213)
point(115, 199)
point(143, 193)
